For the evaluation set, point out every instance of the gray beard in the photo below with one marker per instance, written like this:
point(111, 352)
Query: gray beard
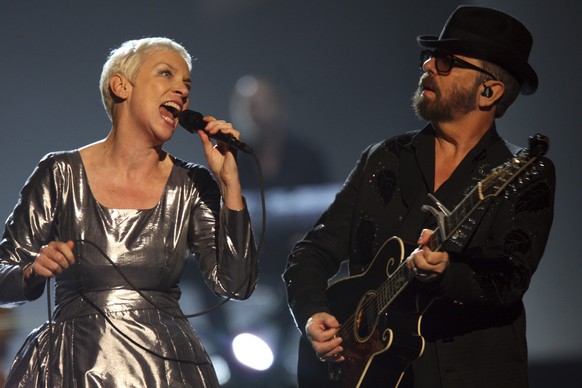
point(460, 102)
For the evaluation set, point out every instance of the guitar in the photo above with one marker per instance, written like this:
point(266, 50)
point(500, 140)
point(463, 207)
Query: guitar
point(380, 318)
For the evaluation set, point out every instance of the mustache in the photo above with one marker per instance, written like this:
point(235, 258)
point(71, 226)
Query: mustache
point(427, 82)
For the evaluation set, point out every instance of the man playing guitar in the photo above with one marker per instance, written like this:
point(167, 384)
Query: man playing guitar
point(456, 317)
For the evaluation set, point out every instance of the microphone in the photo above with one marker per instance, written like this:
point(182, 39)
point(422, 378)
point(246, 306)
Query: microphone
point(193, 122)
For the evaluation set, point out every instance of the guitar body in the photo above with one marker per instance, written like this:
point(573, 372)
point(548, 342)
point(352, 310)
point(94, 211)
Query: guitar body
point(379, 345)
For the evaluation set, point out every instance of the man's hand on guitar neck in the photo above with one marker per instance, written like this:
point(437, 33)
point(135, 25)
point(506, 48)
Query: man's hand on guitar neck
point(321, 330)
point(427, 265)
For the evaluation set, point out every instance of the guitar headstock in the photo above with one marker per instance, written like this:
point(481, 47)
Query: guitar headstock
point(502, 175)
point(539, 144)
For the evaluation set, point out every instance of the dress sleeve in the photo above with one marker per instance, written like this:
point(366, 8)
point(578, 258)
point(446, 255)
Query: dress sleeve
point(29, 226)
point(223, 242)
point(497, 268)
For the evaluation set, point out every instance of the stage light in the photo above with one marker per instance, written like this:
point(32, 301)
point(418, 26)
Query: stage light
point(221, 368)
point(252, 351)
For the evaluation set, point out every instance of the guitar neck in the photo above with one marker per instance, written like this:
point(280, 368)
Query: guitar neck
point(394, 285)
point(453, 221)
point(491, 186)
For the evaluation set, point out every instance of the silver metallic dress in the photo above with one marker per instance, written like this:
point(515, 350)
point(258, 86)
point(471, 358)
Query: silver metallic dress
point(117, 321)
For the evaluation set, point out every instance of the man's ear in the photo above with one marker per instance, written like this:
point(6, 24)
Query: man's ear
point(119, 86)
point(491, 91)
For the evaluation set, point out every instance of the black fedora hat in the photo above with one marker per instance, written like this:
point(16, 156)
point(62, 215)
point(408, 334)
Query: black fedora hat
point(490, 35)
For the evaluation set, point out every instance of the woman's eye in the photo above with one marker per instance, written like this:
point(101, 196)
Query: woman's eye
point(166, 73)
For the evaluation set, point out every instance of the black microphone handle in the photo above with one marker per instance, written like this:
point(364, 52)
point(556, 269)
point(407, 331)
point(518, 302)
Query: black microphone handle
point(193, 122)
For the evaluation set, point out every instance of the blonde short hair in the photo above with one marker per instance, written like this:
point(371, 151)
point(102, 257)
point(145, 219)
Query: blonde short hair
point(127, 59)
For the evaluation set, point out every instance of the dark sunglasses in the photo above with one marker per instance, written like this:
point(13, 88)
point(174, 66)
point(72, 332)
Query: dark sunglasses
point(444, 62)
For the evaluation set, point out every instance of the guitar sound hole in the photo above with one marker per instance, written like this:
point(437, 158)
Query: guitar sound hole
point(366, 317)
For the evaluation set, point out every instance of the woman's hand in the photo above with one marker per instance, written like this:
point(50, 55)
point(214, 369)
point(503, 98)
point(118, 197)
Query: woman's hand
point(51, 260)
point(222, 161)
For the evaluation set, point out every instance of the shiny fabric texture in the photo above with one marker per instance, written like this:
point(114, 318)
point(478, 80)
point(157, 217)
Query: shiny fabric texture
point(119, 323)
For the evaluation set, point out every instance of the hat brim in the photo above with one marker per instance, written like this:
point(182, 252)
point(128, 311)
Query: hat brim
point(518, 68)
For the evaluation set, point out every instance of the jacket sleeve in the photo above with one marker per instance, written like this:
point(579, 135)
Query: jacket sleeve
point(317, 257)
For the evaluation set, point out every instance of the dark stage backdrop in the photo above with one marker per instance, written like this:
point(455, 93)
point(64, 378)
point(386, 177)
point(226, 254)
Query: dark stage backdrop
point(347, 69)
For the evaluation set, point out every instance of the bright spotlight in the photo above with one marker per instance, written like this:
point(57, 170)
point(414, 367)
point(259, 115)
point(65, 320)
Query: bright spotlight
point(252, 351)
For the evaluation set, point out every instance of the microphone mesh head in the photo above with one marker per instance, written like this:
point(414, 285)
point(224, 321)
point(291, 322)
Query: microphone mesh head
point(192, 121)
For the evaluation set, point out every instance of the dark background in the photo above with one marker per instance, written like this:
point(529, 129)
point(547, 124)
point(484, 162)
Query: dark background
point(348, 70)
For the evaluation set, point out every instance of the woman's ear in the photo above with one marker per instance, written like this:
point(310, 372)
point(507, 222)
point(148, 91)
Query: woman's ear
point(119, 86)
